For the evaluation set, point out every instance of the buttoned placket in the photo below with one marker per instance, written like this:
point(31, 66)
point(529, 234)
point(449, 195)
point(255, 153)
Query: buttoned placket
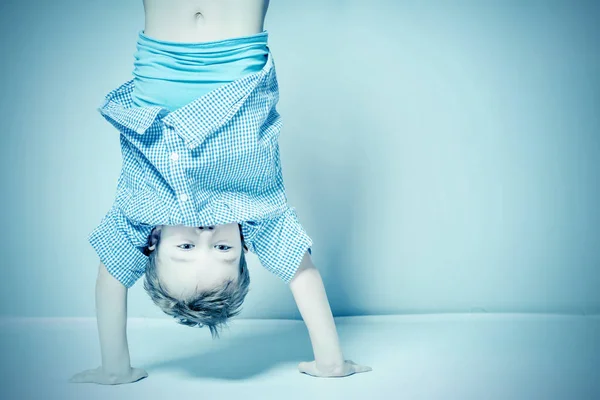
point(176, 157)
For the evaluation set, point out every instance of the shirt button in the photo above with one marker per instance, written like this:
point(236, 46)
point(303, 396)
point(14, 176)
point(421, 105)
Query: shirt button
point(183, 197)
point(174, 156)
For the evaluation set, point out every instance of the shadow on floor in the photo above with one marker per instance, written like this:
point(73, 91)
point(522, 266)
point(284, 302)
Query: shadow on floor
point(244, 356)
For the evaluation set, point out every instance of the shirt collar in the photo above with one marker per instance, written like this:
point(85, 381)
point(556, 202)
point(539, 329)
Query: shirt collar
point(194, 121)
point(118, 106)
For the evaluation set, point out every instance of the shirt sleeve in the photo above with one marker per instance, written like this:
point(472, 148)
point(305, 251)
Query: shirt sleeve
point(280, 244)
point(117, 243)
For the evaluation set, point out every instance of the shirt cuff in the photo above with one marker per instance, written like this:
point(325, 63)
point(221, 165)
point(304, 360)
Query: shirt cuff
point(281, 244)
point(122, 259)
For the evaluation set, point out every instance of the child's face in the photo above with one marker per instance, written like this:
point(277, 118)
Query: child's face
point(192, 259)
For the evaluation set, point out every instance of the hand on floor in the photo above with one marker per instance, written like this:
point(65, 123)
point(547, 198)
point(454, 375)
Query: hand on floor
point(99, 376)
point(349, 368)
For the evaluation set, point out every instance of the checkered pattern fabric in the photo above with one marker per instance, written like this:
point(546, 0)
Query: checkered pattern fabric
point(213, 161)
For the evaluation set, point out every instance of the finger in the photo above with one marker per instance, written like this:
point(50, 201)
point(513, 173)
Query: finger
point(76, 378)
point(138, 374)
point(307, 368)
point(359, 368)
point(81, 377)
point(303, 367)
point(362, 368)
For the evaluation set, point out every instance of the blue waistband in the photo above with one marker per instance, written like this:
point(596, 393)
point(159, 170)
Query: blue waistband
point(173, 74)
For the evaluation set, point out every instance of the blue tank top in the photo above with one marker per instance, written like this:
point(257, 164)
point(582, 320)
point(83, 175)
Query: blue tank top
point(173, 74)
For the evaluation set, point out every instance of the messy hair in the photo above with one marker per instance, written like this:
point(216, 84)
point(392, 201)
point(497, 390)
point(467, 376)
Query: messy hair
point(211, 308)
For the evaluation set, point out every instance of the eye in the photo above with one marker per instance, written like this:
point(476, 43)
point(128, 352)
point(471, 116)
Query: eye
point(223, 245)
point(185, 244)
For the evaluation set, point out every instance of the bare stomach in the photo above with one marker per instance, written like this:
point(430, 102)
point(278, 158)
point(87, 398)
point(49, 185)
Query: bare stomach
point(203, 20)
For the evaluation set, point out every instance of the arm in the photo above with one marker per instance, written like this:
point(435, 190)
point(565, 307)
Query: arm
point(275, 252)
point(111, 314)
point(311, 299)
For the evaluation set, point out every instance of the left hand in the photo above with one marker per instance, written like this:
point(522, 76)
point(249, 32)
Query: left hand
point(348, 368)
point(98, 375)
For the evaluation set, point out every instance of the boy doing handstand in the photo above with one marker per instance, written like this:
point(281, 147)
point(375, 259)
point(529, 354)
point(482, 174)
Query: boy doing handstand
point(201, 184)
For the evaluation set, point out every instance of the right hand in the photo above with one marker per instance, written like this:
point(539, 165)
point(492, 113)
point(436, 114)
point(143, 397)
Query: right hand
point(99, 376)
point(348, 368)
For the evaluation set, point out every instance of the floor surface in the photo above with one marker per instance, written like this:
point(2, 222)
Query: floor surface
point(435, 356)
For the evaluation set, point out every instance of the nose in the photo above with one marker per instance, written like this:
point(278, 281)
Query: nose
point(207, 227)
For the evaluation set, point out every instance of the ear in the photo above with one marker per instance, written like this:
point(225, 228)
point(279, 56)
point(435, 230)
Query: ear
point(153, 238)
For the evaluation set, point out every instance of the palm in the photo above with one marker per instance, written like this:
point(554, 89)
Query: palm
point(99, 376)
point(348, 368)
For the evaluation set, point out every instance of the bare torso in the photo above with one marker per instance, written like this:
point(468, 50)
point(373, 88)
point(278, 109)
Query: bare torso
point(203, 20)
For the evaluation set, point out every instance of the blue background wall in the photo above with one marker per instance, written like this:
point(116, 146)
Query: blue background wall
point(444, 156)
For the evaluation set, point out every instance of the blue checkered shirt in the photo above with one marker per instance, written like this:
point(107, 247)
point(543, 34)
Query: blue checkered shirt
point(212, 161)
